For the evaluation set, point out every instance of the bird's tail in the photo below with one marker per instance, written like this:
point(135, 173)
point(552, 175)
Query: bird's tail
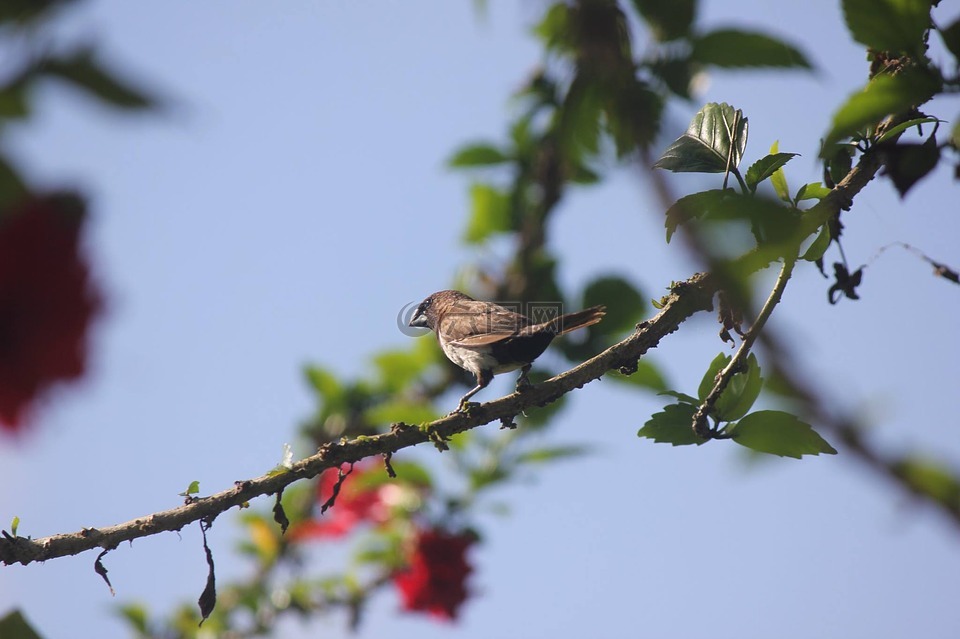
point(580, 319)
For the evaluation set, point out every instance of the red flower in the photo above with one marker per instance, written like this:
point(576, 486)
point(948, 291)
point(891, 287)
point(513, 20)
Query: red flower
point(355, 504)
point(47, 301)
point(435, 580)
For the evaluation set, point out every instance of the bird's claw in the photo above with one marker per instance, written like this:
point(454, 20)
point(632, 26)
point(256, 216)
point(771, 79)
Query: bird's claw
point(466, 407)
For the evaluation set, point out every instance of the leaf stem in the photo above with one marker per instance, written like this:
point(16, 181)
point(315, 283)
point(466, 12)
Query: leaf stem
point(700, 423)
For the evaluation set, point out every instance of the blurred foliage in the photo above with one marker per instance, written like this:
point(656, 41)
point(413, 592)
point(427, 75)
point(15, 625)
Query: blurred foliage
point(610, 70)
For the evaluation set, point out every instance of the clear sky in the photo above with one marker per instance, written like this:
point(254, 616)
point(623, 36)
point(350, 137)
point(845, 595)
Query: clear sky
point(294, 197)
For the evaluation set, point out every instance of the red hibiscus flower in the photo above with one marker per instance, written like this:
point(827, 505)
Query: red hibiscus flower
point(47, 301)
point(435, 579)
point(355, 503)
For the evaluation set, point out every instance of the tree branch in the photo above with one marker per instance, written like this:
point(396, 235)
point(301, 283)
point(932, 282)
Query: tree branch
point(736, 362)
point(686, 299)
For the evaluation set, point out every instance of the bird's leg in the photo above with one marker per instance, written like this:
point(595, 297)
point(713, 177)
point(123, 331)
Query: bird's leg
point(483, 380)
point(522, 382)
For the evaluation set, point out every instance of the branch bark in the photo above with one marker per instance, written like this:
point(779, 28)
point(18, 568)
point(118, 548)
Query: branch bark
point(686, 299)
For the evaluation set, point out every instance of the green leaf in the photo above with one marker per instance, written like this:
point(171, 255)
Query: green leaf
point(812, 191)
point(552, 453)
point(778, 178)
point(625, 305)
point(779, 433)
point(907, 163)
point(136, 616)
point(24, 11)
point(903, 126)
point(741, 392)
point(765, 167)
point(325, 383)
point(884, 95)
point(732, 48)
point(398, 368)
point(490, 213)
point(819, 246)
point(555, 29)
point(683, 397)
point(667, 19)
point(13, 100)
point(633, 116)
point(14, 525)
point(12, 186)
point(647, 375)
point(951, 37)
point(709, 378)
point(888, 25)
point(579, 125)
point(478, 155)
point(677, 73)
point(408, 473)
point(583, 175)
point(674, 425)
point(401, 410)
point(930, 478)
point(15, 626)
point(85, 72)
point(716, 133)
point(192, 489)
point(693, 206)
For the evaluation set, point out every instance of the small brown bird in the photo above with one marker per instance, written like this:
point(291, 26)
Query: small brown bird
point(487, 339)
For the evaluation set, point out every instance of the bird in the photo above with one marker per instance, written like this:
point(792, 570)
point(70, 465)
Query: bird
point(487, 339)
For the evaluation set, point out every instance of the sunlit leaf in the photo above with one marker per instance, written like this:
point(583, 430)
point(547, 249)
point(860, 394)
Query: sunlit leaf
point(673, 425)
point(779, 433)
point(819, 246)
point(478, 155)
point(765, 167)
point(778, 178)
point(741, 392)
point(812, 191)
point(714, 142)
point(709, 378)
point(489, 213)
point(884, 95)
point(903, 126)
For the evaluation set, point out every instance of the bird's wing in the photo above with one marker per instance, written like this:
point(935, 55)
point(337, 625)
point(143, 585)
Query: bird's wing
point(481, 323)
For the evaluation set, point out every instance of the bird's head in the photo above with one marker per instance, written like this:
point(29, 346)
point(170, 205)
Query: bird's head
point(430, 310)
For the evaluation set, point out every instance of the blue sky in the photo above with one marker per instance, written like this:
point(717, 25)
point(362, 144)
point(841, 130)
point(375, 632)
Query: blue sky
point(293, 197)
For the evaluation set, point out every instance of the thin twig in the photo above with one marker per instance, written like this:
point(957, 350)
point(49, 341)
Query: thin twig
point(700, 425)
point(686, 299)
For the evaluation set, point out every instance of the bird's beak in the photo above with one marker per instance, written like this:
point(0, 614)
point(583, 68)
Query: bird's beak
point(419, 320)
